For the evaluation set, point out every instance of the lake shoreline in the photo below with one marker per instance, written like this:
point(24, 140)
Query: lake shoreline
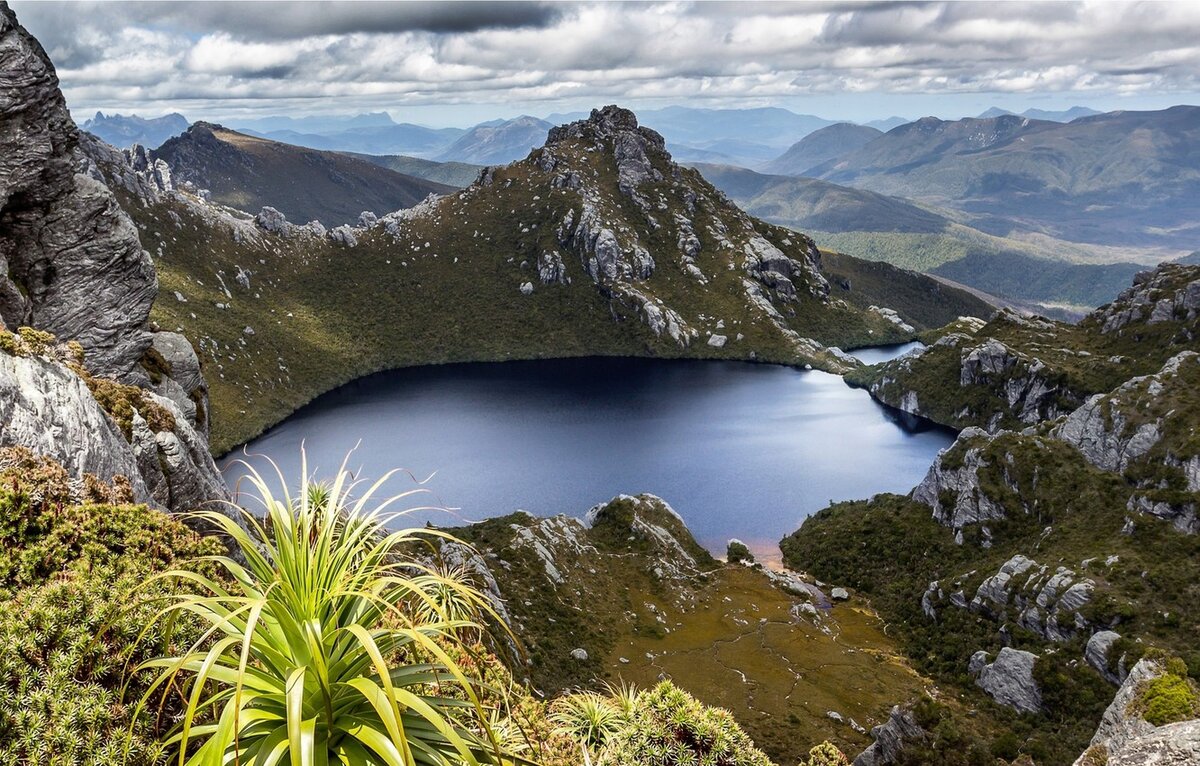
point(504, 437)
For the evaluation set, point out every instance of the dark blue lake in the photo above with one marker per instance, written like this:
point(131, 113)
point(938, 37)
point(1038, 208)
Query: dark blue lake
point(739, 450)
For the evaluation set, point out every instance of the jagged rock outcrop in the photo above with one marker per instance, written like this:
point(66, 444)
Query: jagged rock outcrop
point(631, 144)
point(952, 486)
point(1015, 371)
point(1125, 738)
point(1169, 293)
point(73, 267)
point(900, 729)
point(182, 381)
point(49, 410)
point(1176, 744)
point(986, 383)
point(1027, 392)
point(652, 521)
point(175, 463)
point(1097, 653)
point(892, 316)
point(71, 260)
point(1009, 679)
point(1140, 431)
point(1047, 603)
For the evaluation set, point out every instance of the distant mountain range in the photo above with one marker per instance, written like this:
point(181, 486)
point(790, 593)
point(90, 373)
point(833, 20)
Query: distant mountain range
point(322, 124)
point(888, 124)
point(402, 138)
point(457, 174)
point(878, 227)
point(249, 173)
point(1121, 179)
point(1044, 206)
point(123, 131)
point(1066, 115)
point(820, 146)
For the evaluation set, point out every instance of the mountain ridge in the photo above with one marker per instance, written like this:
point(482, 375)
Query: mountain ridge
point(123, 131)
point(249, 173)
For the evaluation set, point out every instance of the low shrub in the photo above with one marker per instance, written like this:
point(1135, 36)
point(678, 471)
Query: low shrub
point(669, 727)
point(71, 615)
point(1170, 697)
point(736, 552)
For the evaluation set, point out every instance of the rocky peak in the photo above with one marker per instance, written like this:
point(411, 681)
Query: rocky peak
point(617, 130)
point(71, 261)
point(605, 124)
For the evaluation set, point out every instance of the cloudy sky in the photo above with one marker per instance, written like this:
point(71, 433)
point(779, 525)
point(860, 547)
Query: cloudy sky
point(456, 63)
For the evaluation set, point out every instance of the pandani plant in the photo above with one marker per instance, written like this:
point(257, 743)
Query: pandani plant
point(590, 718)
point(322, 643)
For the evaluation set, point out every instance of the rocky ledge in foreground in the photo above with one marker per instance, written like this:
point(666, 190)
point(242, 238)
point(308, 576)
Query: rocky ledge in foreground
point(114, 398)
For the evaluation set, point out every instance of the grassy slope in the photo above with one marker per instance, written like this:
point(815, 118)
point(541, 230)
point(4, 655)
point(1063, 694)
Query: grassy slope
point(922, 301)
point(727, 636)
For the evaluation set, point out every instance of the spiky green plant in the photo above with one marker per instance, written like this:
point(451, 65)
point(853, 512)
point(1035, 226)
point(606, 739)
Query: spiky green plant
point(311, 653)
point(588, 718)
point(624, 697)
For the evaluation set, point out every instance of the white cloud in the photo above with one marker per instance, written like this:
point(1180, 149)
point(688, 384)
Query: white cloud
point(214, 57)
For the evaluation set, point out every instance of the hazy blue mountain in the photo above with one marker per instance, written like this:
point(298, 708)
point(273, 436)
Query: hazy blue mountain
point(457, 174)
point(1065, 115)
point(821, 146)
point(124, 131)
point(888, 124)
point(769, 126)
point(403, 138)
point(324, 124)
point(879, 227)
point(692, 154)
point(1120, 178)
point(497, 143)
point(562, 118)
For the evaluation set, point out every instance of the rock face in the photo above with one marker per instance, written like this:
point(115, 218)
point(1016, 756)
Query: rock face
point(1163, 295)
point(952, 488)
point(1009, 679)
point(176, 464)
point(71, 260)
point(1131, 432)
point(48, 409)
point(1097, 652)
point(1120, 728)
point(890, 738)
point(986, 383)
point(73, 266)
point(1176, 744)
point(1048, 603)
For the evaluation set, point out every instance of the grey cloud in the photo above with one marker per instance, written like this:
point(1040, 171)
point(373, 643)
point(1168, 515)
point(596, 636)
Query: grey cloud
point(284, 20)
point(390, 55)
